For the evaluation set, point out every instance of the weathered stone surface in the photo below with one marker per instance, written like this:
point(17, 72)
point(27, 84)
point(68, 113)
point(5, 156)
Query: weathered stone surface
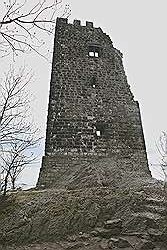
point(94, 131)
point(113, 224)
point(105, 233)
point(104, 244)
point(64, 218)
point(119, 243)
point(143, 221)
point(157, 235)
point(146, 245)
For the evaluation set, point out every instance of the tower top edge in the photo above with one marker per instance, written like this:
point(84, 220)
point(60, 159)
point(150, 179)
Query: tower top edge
point(76, 22)
point(89, 25)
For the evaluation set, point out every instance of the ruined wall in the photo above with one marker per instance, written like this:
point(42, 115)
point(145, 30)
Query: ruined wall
point(92, 113)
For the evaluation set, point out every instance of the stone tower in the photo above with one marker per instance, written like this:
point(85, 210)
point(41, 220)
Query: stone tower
point(94, 133)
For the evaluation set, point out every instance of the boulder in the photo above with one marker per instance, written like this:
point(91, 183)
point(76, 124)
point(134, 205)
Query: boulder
point(104, 233)
point(120, 243)
point(145, 245)
point(157, 235)
point(110, 224)
point(115, 226)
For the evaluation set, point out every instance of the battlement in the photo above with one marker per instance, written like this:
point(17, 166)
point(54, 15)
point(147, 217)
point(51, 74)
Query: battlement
point(76, 22)
point(61, 20)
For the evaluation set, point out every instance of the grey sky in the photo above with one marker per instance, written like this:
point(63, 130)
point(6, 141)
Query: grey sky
point(138, 29)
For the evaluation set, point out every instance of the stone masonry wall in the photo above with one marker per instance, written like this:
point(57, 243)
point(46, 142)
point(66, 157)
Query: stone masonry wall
point(91, 111)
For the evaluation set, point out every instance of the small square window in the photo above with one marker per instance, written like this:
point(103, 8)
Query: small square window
point(96, 54)
point(91, 53)
point(98, 133)
point(100, 129)
point(94, 51)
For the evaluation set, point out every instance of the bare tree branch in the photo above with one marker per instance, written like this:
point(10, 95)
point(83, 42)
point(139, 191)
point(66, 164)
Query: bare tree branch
point(162, 151)
point(22, 25)
point(18, 136)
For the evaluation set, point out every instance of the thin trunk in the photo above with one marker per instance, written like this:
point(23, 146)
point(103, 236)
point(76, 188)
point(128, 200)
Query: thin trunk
point(13, 183)
point(5, 184)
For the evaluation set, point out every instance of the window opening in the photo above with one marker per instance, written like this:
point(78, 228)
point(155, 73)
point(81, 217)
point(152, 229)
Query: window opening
point(100, 128)
point(98, 132)
point(91, 54)
point(93, 82)
point(96, 54)
point(94, 51)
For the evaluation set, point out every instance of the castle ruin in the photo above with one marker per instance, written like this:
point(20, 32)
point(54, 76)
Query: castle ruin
point(94, 132)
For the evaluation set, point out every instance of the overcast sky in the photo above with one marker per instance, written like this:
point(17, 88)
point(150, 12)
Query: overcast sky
point(138, 29)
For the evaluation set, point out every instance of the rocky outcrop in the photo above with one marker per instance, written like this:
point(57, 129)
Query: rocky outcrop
point(97, 218)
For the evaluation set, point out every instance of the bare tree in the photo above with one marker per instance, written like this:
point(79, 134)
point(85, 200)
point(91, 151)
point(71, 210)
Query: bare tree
point(22, 22)
point(17, 134)
point(161, 167)
point(23, 26)
point(15, 158)
point(14, 106)
point(162, 150)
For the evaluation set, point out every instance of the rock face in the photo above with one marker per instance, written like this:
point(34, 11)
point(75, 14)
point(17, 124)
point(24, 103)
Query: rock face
point(94, 131)
point(93, 219)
